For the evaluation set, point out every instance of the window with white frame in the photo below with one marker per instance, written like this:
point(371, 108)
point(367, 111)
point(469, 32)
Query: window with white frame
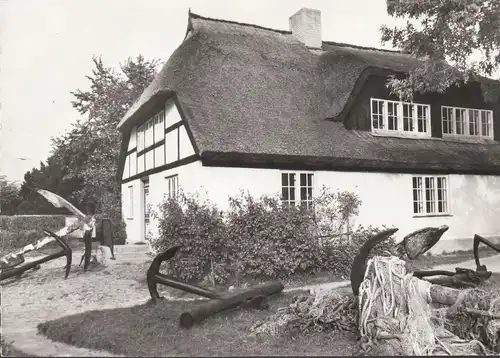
point(151, 131)
point(130, 202)
point(400, 118)
point(172, 186)
point(467, 122)
point(430, 195)
point(301, 192)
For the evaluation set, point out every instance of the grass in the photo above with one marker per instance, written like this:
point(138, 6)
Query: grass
point(153, 330)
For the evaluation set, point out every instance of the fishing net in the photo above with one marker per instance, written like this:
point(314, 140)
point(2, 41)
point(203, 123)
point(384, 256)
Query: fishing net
point(326, 310)
point(397, 316)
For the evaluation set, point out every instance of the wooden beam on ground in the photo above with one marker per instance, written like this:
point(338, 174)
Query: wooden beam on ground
point(231, 300)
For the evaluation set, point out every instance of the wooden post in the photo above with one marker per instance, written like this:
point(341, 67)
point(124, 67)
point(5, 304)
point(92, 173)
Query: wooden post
point(198, 314)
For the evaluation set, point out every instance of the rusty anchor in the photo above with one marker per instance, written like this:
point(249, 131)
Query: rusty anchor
point(13, 269)
point(252, 297)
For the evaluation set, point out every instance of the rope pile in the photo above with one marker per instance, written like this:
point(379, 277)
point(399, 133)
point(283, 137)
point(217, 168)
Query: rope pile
point(325, 311)
point(396, 309)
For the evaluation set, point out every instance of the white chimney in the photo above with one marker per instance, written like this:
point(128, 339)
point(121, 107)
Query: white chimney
point(305, 25)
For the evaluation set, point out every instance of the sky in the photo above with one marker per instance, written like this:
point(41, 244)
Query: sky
point(47, 48)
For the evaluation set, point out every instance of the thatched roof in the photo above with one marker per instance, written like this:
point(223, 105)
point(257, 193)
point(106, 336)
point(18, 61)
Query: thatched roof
point(247, 90)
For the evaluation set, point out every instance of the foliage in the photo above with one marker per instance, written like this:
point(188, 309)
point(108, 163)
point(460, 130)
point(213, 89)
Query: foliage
point(198, 226)
point(258, 238)
point(32, 222)
point(465, 33)
point(9, 197)
point(50, 176)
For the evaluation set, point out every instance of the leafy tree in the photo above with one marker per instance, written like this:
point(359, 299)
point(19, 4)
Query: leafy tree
point(9, 197)
point(462, 33)
point(48, 176)
point(89, 152)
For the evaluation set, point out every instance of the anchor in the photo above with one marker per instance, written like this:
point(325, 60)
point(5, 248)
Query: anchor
point(249, 298)
point(11, 270)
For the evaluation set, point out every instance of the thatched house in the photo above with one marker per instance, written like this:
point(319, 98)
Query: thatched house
point(239, 106)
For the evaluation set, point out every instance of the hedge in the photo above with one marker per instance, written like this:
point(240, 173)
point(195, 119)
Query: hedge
point(32, 222)
point(260, 238)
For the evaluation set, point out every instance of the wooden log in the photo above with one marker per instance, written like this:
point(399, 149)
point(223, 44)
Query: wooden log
point(198, 314)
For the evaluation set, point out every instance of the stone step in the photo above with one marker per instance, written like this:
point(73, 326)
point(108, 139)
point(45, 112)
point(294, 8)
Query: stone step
point(131, 248)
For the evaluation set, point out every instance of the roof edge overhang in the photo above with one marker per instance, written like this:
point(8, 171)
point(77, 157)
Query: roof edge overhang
point(292, 162)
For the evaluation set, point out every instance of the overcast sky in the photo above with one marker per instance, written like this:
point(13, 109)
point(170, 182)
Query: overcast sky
point(47, 48)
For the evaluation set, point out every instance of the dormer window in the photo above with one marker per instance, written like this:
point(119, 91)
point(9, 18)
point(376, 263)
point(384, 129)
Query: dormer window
point(395, 118)
point(467, 122)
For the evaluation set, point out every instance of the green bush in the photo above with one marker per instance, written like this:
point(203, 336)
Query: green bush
point(199, 227)
point(260, 239)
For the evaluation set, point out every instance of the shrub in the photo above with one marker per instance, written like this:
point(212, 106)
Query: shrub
point(32, 222)
point(199, 227)
point(269, 240)
point(260, 238)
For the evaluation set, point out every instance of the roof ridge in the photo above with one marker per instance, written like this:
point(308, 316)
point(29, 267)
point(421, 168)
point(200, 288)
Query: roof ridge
point(342, 44)
point(196, 16)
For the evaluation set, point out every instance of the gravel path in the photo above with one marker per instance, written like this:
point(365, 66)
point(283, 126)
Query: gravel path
point(45, 295)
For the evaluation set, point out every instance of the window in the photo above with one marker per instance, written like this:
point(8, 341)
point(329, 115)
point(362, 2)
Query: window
point(301, 194)
point(306, 189)
point(467, 122)
point(151, 132)
point(430, 195)
point(159, 130)
point(172, 186)
point(400, 118)
point(131, 202)
point(140, 138)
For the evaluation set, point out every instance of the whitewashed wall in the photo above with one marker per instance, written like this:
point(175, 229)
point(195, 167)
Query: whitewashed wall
point(386, 198)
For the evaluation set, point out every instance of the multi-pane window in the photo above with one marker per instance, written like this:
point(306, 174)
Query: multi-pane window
point(306, 190)
point(301, 192)
point(159, 132)
point(430, 195)
point(151, 132)
point(140, 138)
point(467, 122)
point(407, 117)
point(172, 186)
point(288, 188)
point(394, 117)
